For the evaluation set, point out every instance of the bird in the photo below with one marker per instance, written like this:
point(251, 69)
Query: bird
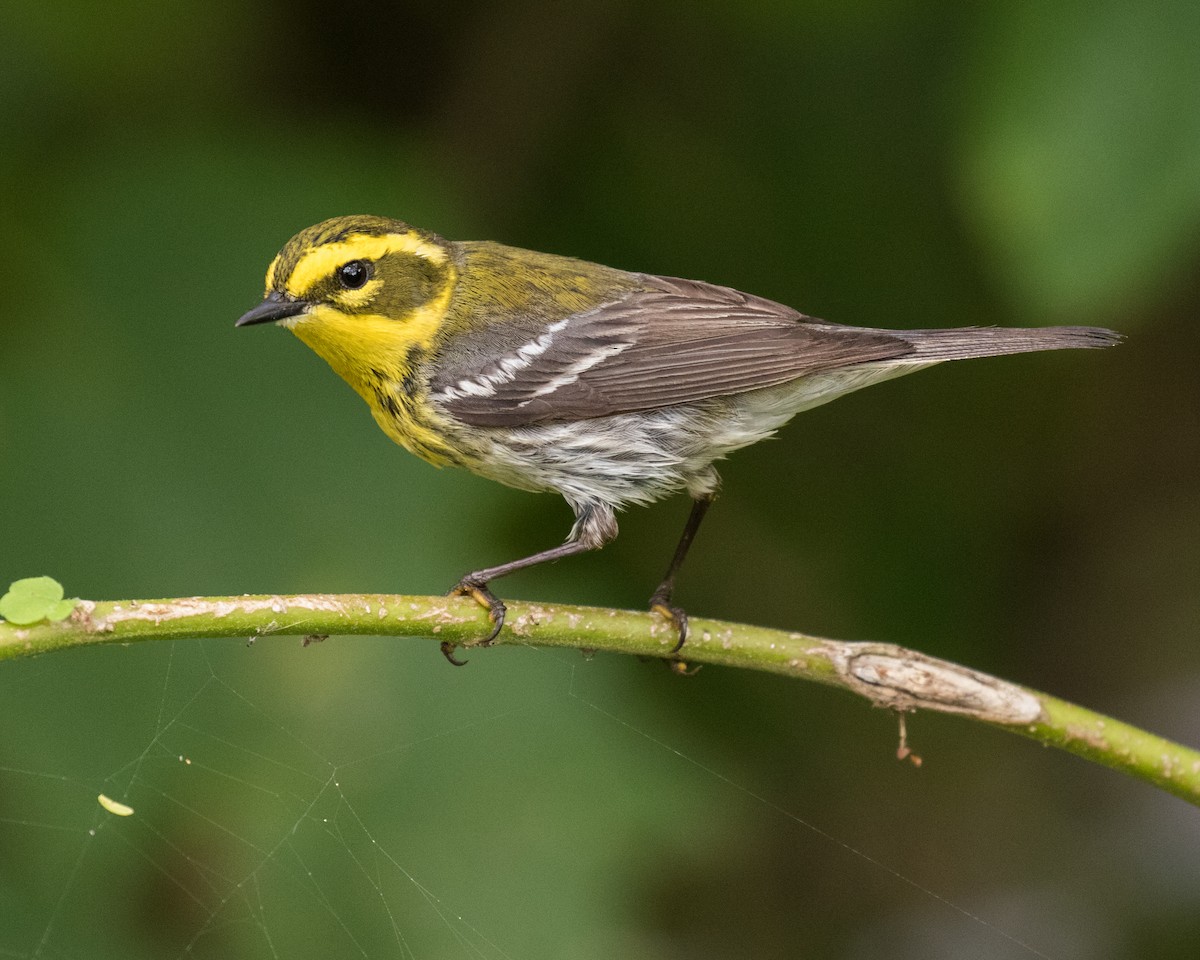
point(548, 373)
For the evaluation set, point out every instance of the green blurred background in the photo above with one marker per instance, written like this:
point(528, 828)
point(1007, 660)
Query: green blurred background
point(876, 163)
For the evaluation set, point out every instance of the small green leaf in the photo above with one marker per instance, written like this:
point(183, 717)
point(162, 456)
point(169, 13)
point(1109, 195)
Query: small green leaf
point(34, 599)
point(62, 609)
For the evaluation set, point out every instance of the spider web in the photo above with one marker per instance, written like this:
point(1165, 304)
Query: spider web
point(361, 799)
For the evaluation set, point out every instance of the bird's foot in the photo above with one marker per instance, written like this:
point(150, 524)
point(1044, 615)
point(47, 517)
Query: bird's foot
point(480, 593)
point(661, 604)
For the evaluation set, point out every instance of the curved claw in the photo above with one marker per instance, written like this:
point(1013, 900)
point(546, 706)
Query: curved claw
point(676, 616)
point(448, 647)
point(489, 601)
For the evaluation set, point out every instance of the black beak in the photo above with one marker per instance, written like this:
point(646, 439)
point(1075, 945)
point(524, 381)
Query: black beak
point(275, 307)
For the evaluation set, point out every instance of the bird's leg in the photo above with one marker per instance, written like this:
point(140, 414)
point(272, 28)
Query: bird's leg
point(594, 527)
point(476, 584)
point(660, 602)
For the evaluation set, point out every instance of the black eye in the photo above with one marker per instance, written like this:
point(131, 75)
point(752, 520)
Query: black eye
point(354, 274)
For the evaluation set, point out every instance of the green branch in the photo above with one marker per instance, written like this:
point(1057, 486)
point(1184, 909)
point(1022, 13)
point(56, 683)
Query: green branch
point(887, 675)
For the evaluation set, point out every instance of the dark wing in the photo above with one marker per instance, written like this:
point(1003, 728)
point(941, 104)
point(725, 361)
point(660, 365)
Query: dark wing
point(675, 341)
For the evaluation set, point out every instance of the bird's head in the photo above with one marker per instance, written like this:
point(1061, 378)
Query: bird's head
point(361, 291)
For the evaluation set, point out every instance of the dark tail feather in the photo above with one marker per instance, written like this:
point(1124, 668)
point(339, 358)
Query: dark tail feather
point(966, 342)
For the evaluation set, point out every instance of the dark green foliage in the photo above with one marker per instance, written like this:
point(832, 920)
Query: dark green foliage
point(878, 164)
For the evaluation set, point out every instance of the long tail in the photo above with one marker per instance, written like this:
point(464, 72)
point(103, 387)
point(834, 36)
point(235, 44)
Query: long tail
point(965, 342)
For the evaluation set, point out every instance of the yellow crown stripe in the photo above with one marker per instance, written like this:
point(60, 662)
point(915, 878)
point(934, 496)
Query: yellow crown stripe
point(320, 262)
point(271, 273)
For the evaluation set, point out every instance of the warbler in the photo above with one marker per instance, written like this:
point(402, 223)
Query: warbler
point(548, 373)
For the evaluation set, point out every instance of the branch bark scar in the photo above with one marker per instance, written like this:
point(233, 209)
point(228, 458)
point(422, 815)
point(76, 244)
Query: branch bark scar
point(902, 679)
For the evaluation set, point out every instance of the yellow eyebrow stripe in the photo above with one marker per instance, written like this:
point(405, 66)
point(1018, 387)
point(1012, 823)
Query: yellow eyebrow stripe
point(320, 262)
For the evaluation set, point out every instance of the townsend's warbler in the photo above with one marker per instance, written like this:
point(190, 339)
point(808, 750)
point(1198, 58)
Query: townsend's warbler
point(549, 373)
